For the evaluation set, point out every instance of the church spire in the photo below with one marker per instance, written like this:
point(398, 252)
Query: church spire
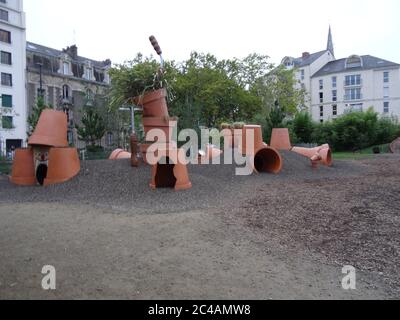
point(330, 42)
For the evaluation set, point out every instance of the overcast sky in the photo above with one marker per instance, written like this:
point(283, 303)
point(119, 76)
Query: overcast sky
point(118, 29)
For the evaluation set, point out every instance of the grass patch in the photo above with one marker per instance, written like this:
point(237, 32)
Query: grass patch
point(363, 154)
point(5, 167)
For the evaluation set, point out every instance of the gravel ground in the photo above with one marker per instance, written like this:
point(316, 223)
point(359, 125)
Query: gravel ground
point(262, 236)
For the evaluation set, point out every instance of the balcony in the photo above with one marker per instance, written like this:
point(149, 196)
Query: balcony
point(357, 83)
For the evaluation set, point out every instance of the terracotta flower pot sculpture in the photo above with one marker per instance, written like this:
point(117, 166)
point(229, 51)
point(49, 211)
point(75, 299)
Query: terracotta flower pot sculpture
point(280, 139)
point(23, 170)
point(395, 146)
point(266, 159)
point(170, 169)
point(119, 154)
point(154, 104)
point(53, 162)
point(320, 155)
point(211, 152)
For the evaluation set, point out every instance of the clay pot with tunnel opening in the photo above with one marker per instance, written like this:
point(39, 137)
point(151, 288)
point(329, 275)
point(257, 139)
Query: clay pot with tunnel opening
point(171, 170)
point(23, 168)
point(280, 139)
point(51, 130)
point(63, 165)
point(165, 124)
point(322, 154)
point(119, 154)
point(154, 103)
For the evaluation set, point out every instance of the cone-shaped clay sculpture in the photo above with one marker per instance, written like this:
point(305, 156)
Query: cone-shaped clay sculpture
point(63, 165)
point(163, 124)
point(266, 159)
point(395, 146)
point(154, 104)
point(280, 139)
point(170, 170)
point(322, 154)
point(119, 154)
point(51, 130)
point(23, 169)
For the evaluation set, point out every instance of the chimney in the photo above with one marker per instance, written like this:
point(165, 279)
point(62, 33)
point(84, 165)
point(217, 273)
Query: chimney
point(72, 51)
point(306, 55)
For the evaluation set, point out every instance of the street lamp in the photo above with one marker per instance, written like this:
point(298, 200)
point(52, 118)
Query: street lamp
point(40, 78)
point(133, 139)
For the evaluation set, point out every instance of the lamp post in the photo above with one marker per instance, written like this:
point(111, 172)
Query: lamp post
point(133, 138)
point(40, 79)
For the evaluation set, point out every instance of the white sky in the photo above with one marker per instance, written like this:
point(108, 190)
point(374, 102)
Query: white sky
point(118, 29)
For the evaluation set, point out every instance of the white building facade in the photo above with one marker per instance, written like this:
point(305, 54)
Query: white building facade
point(13, 107)
point(356, 83)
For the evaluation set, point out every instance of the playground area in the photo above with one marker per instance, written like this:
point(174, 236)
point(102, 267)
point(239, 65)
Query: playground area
point(263, 236)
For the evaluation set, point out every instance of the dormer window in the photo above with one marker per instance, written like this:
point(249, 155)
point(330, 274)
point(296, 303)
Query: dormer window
point(288, 62)
point(89, 73)
point(66, 68)
point(354, 62)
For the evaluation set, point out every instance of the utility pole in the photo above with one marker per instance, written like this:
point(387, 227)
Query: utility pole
point(40, 79)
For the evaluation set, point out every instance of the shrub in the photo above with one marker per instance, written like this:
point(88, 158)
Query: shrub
point(303, 127)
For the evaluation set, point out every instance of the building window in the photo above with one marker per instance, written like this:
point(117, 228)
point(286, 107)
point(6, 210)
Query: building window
point(65, 92)
point(386, 77)
point(334, 95)
point(6, 58)
point(334, 82)
point(89, 74)
point(353, 94)
point(321, 97)
point(6, 79)
point(354, 62)
point(3, 15)
point(110, 139)
point(66, 68)
point(353, 80)
point(6, 101)
point(5, 36)
point(41, 93)
point(7, 122)
point(386, 92)
point(70, 136)
point(334, 110)
point(321, 111)
point(386, 107)
point(302, 74)
point(321, 84)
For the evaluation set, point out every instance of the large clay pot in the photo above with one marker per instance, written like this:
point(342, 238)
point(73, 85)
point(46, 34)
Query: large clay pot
point(51, 130)
point(23, 168)
point(280, 139)
point(154, 103)
point(119, 154)
point(228, 138)
point(322, 154)
point(173, 172)
point(256, 130)
point(161, 123)
point(63, 165)
point(268, 160)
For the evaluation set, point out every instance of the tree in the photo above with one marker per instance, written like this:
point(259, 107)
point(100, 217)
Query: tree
point(37, 109)
point(303, 127)
point(93, 128)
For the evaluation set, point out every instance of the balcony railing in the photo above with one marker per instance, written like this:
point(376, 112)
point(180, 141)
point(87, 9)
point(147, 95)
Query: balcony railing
point(353, 84)
point(351, 97)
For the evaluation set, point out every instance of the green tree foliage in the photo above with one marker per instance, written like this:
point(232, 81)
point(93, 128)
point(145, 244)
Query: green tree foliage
point(93, 127)
point(303, 127)
point(33, 118)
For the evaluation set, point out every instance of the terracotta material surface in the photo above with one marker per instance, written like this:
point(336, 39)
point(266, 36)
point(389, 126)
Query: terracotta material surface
point(134, 150)
point(118, 154)
point(160, 123)
point(228, 138)
point(395, 146)
point(280, 139)
point(322, 154)
point(170, 172)
point(23, 168)
point(51, 130)
point(268, 160)
point(154, 104)
point(256, 130)
point(63, 165)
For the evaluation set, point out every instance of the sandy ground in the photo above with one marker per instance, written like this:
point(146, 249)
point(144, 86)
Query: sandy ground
point(266, 245)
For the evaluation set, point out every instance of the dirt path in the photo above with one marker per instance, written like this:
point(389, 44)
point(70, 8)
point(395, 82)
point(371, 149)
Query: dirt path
point(101, 254)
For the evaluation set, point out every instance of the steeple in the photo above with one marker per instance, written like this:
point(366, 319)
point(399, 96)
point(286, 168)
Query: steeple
point(330, 42)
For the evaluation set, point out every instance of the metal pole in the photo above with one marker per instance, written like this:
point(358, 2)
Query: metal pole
point(133, 119)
